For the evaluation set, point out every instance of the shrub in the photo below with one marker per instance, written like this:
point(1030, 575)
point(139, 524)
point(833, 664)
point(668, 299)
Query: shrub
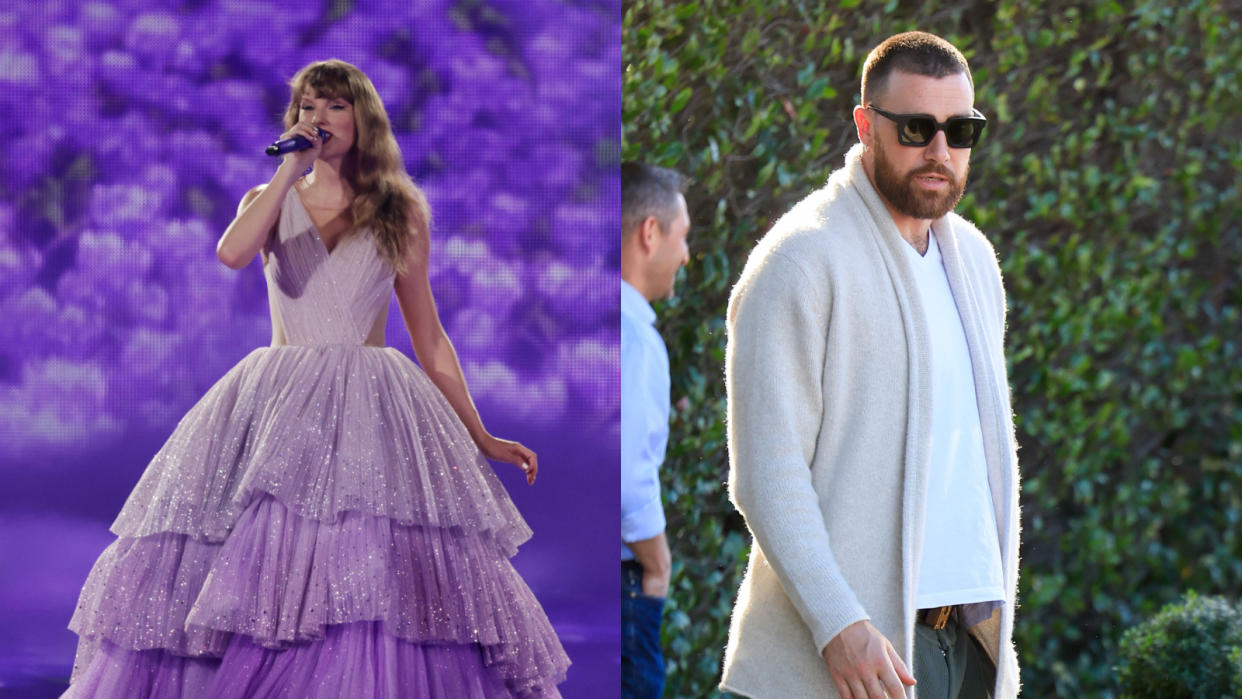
point(1191, 649)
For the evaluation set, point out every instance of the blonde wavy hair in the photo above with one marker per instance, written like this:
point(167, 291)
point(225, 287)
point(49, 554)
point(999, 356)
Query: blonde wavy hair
point(385, 198)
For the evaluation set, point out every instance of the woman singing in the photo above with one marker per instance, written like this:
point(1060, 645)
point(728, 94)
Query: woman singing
point(323, 523)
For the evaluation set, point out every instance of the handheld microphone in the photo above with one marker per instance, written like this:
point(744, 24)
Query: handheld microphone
point(289, 145)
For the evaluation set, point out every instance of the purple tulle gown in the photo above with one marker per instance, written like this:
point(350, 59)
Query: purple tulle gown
point(320, 524)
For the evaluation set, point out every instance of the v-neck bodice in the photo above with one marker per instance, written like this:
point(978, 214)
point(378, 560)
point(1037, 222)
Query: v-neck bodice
point(315, 227)
point(317, 297)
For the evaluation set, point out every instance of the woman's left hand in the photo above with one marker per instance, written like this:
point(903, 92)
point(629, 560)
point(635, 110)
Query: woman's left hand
point(508, 451)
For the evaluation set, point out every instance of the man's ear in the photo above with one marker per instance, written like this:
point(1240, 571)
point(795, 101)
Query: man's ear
point(649, 233)
point(862, 124)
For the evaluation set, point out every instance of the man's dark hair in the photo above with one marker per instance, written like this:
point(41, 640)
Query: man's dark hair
point(648, 190)
point(919, 53)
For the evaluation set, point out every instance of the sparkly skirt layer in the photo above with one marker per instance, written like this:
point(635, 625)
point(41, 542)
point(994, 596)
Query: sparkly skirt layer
point(318, 525)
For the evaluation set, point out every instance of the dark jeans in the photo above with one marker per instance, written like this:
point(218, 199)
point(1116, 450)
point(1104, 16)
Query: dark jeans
point(642, 665)
point(949, 664)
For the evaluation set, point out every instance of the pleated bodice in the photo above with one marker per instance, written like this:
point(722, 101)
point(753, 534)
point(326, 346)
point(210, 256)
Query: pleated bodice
point(318, 297)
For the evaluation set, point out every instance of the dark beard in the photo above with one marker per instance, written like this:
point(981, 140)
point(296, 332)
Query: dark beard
point(903, 194)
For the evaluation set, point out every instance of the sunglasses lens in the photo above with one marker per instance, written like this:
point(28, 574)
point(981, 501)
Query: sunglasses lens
point(918, 131)
point(961, 133)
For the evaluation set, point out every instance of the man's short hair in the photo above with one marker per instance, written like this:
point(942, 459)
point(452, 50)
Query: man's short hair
point(919, 53)
point(649, 190)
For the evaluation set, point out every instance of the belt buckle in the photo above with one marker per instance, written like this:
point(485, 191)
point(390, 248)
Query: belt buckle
point(942, 617)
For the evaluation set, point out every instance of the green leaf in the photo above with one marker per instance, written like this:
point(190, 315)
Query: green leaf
point(679, 102)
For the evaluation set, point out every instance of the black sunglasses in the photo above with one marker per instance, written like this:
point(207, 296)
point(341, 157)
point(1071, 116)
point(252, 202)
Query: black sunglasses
point(920, 129)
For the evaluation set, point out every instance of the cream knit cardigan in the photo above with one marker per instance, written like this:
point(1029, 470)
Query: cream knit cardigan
point(829, 394)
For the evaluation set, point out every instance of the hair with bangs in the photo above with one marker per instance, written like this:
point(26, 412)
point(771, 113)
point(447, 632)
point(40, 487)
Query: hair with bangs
point(385, 198)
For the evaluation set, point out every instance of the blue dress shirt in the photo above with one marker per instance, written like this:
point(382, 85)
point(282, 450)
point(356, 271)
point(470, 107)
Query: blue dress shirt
point(644, 419)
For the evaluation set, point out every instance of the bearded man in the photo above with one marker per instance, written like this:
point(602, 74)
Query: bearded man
point(870, 430)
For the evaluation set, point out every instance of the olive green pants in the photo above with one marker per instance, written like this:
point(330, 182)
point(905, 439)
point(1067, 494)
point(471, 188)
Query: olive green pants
point(949, 664)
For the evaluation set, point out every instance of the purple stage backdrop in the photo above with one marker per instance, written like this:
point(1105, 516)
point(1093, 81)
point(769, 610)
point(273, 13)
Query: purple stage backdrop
point(131, 129)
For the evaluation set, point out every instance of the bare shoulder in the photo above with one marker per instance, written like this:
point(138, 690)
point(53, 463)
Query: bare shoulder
point(419, 232)
point(246, 200)
point(414, 266)
point(416, 256)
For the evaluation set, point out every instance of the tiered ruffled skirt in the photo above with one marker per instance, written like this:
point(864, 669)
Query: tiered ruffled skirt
point(318, 525)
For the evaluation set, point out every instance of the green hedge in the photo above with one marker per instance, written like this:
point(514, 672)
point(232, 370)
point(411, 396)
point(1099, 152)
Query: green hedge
point(1108, 179)
point(1192, 649)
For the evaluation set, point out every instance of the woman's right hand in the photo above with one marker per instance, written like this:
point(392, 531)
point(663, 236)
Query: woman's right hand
point(301, 160)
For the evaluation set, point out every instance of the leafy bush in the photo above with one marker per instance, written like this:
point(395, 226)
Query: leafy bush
point(1108, 182)
point(1191, 649)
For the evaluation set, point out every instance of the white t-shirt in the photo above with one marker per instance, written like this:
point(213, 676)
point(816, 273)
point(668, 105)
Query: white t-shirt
point(961, 561)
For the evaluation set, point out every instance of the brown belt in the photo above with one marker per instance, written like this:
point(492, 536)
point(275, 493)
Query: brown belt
point(936, 617)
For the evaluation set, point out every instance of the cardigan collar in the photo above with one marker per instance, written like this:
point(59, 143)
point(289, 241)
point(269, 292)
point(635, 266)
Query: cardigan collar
point(945, 228)
point(989, 379)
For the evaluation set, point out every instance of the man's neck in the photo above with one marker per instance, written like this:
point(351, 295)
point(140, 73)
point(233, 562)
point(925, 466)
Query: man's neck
point(914, 231)
point(636, 282)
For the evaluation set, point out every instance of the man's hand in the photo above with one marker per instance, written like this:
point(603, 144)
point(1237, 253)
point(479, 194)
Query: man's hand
point(864, 665)
point(653, 555)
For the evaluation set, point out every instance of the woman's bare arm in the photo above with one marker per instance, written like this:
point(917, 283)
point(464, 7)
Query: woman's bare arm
point(260, 207)
point(438, 358)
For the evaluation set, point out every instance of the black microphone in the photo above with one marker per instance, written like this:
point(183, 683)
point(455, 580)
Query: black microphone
point(289, 145)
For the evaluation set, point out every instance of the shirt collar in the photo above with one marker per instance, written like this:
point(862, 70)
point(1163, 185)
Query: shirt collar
point(634, 305)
